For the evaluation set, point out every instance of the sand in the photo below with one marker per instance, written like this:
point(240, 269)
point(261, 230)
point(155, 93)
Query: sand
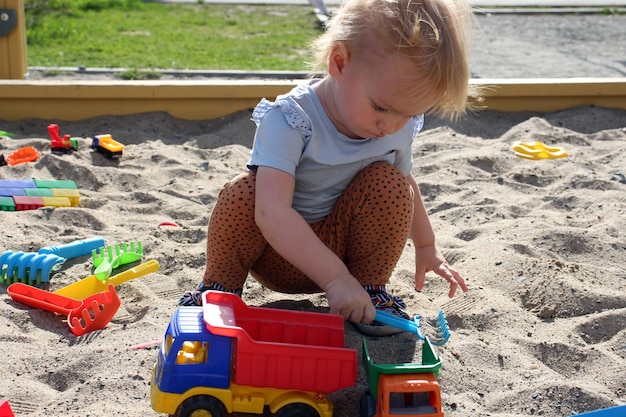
point(542, 331)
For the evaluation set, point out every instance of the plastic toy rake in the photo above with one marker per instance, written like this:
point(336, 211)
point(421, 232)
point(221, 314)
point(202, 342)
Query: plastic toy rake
point(96, 313)
point(442, 330)
point(92, 313)
point(27, 267)
point(106, 259)
point(35, 267)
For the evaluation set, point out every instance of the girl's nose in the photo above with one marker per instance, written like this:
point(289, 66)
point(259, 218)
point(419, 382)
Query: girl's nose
point(383, 127)
point(390, 124)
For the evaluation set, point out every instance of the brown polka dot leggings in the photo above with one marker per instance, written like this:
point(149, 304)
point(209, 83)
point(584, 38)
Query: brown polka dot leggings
point(367, 228)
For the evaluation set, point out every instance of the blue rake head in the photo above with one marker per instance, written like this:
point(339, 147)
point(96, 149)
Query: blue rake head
point(27, 267)
point(442, 330)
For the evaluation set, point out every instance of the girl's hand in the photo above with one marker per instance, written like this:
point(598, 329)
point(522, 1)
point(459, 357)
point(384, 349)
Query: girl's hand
point(429, 258)
point(348, 298)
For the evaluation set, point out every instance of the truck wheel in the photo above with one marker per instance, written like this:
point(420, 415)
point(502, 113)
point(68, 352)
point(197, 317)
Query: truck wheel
point(367, 405)
point(297, 410)
point(201, 406)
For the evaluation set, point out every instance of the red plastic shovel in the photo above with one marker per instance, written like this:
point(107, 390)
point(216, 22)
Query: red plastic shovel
point(92, 313)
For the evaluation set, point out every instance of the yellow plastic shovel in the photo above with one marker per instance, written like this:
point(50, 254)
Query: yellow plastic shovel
point(92, 285)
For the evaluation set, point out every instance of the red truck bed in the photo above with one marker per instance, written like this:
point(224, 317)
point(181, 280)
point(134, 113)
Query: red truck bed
point(282, 348)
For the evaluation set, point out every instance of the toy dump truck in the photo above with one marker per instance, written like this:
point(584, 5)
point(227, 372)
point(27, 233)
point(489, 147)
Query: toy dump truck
point(408, 389)
point(227, 357)
point(107, 146)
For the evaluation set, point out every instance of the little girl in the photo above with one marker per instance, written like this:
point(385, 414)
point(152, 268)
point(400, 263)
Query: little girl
point(329, 199)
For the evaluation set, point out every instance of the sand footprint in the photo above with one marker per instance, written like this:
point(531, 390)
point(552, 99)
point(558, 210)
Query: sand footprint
point(603, 327)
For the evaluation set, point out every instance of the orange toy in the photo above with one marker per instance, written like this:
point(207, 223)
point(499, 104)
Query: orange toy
point(22, 155)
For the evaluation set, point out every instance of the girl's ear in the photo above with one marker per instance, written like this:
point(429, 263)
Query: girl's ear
point(338, 59)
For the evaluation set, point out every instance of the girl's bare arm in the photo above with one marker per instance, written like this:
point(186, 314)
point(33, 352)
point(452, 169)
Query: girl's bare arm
point(290, 235)
point(427, 255)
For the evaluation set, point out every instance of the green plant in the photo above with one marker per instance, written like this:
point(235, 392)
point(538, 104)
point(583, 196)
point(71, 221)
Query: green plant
point(612, 11)
point(136, 74)
point(53, 73)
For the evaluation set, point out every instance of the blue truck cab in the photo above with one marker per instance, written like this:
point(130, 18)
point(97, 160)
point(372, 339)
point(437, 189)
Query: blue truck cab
point(189, 343)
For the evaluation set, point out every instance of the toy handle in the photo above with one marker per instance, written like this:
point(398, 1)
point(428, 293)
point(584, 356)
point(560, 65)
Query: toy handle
point(42, 299)
point(398, 322)
point(136, 272)
point(76, 248)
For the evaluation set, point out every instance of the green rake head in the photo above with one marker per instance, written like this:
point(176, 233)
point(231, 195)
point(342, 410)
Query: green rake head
point(106, 259)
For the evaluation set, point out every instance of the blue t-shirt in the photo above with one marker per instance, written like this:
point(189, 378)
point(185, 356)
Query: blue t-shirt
point(296, 136)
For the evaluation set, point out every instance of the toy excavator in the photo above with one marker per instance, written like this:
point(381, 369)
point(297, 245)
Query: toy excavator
point(60, 146)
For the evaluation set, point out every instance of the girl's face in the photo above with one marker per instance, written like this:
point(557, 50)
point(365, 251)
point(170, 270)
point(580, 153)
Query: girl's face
point(374, 97)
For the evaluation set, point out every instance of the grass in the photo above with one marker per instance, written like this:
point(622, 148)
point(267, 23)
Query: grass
point(149, 36)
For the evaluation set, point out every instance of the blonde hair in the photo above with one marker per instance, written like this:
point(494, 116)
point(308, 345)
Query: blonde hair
point(434, 35)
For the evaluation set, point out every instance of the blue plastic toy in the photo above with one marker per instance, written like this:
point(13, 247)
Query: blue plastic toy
point(27, 267)
point(414, 326)
point(619, 411)
point(35, 267)
point(76, 248)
